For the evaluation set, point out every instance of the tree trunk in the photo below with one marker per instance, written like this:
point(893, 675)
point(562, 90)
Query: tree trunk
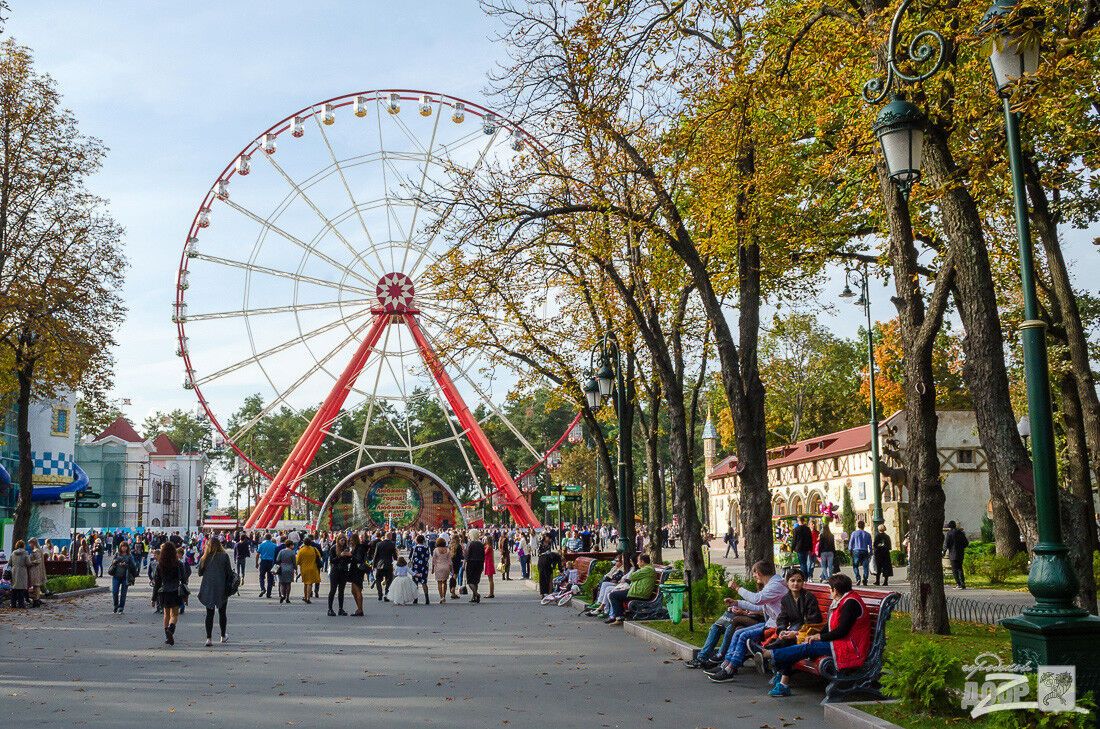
point(651, 428)
point(922, 465)
point(25, 376)
point(1077, 475)
point(984, 369)
point(626, 448)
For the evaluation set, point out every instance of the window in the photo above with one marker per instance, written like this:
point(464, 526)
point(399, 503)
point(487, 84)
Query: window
point(437, 497)
point(156, 494)
point(59, 424)
point(863, 489)
point(966, 456)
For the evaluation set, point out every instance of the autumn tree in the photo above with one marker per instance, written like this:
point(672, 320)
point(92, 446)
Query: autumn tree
point(61, 265)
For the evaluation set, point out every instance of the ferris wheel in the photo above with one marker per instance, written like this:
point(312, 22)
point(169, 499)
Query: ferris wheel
point(307, 277)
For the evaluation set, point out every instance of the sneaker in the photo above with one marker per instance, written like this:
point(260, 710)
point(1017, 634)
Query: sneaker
point(618, 621)
point(756, 651)
point(722, 676)
point(331, 614)
point(694, 663)
point(780, 690)
point(225, 639)
point(209, 643)
point(609, 621)
point(775, 679)
point(341, 612)
point(714, 669)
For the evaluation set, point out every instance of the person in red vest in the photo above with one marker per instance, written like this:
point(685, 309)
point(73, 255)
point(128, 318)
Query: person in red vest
point(847, 640)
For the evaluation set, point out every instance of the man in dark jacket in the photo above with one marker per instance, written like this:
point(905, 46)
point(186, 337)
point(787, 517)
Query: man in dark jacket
point(385, 554)
point(954, 547)
point(802, 542)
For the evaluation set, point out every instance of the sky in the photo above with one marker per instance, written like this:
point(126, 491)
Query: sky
point(175, 90)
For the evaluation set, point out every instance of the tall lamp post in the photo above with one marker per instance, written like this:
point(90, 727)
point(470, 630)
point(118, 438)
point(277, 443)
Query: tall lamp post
point(603, 384)
point(861, 279)
point(1053, 630)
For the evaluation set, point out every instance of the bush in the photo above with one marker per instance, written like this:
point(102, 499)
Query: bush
point(994, 567)
point(921, 676)
point(68, 583)
point(841, 559)
point(987, 529)
point(897, 557)
point(1036, 719)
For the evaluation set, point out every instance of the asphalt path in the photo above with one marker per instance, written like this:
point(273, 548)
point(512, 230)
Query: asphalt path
point(507, 662)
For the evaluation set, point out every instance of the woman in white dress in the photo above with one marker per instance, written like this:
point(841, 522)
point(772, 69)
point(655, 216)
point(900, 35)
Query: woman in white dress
point(403, 590)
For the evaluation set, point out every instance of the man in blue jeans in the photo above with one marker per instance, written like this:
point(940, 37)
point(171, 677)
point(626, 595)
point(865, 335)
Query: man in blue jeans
point(859, 544)
point(265, 554)
point(767, 601)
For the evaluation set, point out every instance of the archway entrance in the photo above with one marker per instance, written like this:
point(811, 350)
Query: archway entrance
point(392, 495)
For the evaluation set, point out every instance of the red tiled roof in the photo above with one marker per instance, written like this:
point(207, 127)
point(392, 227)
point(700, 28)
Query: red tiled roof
point(852, 440)
point(164, 446)
point(122, 430)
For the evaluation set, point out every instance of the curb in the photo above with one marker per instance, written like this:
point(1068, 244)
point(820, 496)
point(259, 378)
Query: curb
point(80, 593)
point(677, 647)
point(849, 716)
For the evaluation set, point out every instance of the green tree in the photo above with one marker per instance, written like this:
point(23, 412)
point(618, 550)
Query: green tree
point(847, 512)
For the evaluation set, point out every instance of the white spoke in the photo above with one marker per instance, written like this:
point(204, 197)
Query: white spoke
point(370, 404)
point(296, 277)
point(423, 179)
point(324, 219)
point(278, 309)
point(276, 349)
point(296, 241)
point(344, 180)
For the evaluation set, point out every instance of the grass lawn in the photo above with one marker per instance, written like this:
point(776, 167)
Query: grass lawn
point(966, 641)
point(1012, 583)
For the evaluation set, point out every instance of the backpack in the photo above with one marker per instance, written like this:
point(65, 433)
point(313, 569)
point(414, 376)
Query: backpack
point(234, 585)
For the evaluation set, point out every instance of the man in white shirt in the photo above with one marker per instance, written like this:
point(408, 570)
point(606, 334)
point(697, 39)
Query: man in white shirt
point(767, 600)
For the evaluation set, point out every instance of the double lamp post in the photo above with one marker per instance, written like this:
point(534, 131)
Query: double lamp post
point(1053, 631)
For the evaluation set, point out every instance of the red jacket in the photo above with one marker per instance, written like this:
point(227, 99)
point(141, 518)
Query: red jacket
point(851, 650)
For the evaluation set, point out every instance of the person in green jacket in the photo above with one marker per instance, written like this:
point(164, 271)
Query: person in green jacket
point(643, 586)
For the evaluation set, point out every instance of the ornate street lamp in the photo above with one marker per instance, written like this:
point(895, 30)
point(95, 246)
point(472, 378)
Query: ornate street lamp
point(608, 382)
point(1053, 631)
point(900, 125)
point(861, 279)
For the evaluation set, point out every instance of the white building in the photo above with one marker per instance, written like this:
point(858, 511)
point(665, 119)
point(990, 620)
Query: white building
point(808, 474)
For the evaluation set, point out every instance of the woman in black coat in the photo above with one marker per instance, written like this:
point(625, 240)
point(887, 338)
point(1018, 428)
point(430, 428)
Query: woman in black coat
point(167, 589)
point(218, 579)
point(475, 564)
point(881, 548)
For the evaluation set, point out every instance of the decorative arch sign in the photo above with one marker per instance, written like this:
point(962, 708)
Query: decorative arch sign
point(390, 495)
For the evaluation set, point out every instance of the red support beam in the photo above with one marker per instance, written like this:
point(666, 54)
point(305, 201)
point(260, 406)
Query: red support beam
point(277, 496)
point(517, 505)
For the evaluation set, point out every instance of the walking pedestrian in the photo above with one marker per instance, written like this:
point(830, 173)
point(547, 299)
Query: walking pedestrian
point(826, 551)
point(123, 571)
point(419, 557)
point(242, 551)
point(523, 551)
point(859, 545)
point(802, 544)
point(475, 564)
point(490, 565)
point(167, 585)
point(357, 570)
point(505, 550)
point(339, 569)
point(882, 546)
point(265, 556)
point(954, 548)
point(37, 574)
point(441, 567)
point(285, 563)
point(385, 554)
point(218, 583)
point(457, 556)
point(309, 567)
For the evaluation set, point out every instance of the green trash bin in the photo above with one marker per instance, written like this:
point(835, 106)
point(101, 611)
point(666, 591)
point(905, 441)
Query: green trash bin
point(674, 600)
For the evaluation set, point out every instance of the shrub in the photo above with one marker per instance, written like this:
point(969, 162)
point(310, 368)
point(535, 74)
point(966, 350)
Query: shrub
point(921, 676)
point(987, 529)
point(1037, 719)
point(897, 557)
point(847, 512)
point(68, 583)
point(841, 559)
point(994, 567)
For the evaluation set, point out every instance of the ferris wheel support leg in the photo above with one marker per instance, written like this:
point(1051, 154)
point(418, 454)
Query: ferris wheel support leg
point(270, 506)
point(517, 505)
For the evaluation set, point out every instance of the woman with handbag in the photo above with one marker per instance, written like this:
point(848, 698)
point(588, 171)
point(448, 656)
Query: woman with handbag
point(357, 570)
point(123, 570)
point(339, 559)
point(218, 583)
point(166, 589)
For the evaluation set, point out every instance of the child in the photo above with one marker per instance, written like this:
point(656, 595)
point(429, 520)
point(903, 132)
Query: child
point(565, 586)
point(403, 590)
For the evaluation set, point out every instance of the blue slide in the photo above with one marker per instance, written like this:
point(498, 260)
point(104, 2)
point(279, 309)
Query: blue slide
point(53, 493)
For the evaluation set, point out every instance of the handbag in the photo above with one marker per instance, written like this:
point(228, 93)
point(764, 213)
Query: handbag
point(809, 629)
point(234, 585)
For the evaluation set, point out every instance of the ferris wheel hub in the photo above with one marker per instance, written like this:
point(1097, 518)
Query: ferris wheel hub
point(395, 293)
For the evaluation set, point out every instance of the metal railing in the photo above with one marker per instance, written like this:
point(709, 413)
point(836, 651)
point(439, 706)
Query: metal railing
point(969, 610)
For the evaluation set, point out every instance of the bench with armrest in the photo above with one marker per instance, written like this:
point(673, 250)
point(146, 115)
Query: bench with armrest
point(583, 565)
point(654, 608)
point(865, 679)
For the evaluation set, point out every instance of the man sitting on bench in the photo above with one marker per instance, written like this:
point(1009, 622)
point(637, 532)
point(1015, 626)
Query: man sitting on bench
point(847, 640)
point(643, 586)
point(768, 600)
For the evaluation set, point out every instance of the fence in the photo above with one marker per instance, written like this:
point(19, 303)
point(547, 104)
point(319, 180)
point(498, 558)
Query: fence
point(968, 610)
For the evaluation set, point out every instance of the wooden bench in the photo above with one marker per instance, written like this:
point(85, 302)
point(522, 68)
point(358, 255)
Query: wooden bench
point(862, 680)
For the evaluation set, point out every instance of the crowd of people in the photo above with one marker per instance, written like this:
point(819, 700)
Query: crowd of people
point(814, 543)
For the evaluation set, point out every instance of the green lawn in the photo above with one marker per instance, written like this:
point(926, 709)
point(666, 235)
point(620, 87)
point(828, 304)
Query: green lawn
point(1012, 583)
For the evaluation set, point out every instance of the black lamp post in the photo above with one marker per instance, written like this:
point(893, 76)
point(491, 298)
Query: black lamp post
point(607, 382)
point(860, 277)
point(1053, 631)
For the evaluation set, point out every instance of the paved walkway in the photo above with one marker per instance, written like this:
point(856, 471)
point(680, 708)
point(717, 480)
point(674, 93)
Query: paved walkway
point(507, 662)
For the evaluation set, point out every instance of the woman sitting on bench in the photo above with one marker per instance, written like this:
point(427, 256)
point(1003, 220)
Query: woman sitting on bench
point(847, 640)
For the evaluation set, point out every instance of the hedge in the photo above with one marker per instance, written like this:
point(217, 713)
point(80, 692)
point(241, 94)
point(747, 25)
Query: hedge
point(68, 583)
